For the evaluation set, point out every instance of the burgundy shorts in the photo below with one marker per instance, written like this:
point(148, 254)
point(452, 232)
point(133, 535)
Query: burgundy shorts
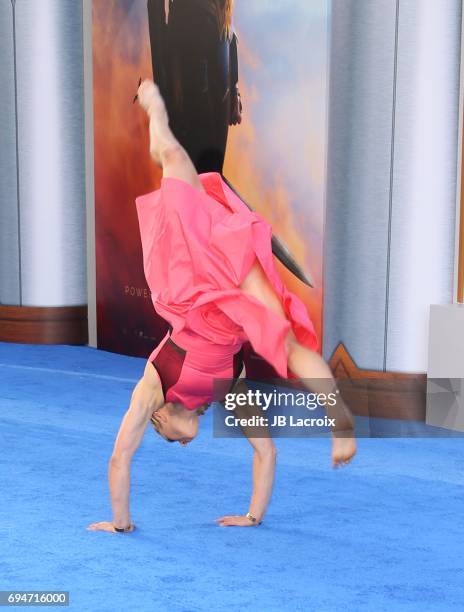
point(188, 377)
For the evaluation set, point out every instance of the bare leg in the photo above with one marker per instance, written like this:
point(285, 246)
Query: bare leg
point(165, 149)
point(309, 366)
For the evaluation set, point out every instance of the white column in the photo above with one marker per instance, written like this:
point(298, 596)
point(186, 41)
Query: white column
point(50, 169)
point(392, 174)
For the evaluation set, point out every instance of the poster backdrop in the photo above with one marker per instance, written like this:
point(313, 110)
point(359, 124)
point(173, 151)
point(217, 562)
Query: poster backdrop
point(275, 158)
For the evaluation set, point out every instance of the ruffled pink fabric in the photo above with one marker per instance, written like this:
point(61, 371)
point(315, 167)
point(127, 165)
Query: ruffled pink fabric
point(197, 249)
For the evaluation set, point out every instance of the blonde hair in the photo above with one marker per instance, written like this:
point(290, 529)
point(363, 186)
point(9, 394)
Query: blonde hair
point(227, 12)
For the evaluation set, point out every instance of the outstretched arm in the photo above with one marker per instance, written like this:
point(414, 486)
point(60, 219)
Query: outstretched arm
point(264, 461)
point(146, 398)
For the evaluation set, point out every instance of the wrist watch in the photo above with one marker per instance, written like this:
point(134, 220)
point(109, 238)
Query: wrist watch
point(252, 518)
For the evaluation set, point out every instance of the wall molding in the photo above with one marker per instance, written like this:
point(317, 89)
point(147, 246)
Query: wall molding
point(49, 325)
point(388, 395)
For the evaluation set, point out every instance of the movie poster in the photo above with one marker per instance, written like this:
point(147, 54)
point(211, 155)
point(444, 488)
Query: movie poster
point(248, 100)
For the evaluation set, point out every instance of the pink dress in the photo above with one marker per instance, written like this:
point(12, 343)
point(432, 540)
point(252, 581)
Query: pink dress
point(197, 249)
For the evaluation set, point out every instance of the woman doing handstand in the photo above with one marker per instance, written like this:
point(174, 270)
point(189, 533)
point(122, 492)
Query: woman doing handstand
point(208, 262)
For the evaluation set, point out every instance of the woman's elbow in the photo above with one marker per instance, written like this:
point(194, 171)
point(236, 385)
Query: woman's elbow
point(267, 450)
point(119, 459)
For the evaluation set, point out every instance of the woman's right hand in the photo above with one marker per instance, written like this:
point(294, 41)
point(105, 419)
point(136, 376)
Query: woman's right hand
point(236, 520)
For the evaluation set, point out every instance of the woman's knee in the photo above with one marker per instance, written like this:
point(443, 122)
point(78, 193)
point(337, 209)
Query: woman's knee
point(291, 344)
point(258, 285)
point(177, 164)
point(172, 154)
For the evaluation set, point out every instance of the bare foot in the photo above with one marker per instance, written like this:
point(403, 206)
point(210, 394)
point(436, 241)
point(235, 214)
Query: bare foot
point(152, 102)
point(150, 99)
point(343, 449)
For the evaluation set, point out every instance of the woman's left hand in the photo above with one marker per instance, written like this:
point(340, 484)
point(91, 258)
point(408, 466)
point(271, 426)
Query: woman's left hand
point(235, 521)
point(105, 526)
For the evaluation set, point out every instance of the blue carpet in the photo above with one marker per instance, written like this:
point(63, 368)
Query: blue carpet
point(384, 534)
